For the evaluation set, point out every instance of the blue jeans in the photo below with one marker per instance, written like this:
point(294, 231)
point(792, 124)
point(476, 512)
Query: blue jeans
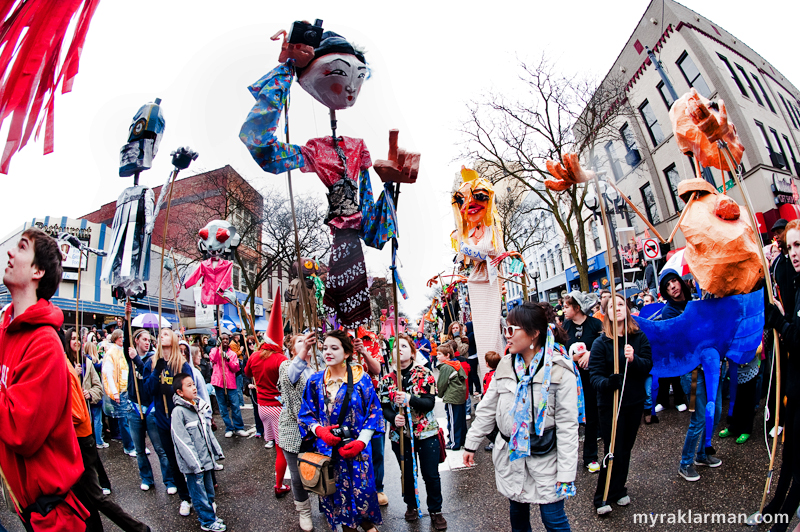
point(554, 518)
point(97, 422)
point(231, 397)
point(201, 489)
point(648, 388)
point(696, 433)
point(378, 447)
point(138, 430)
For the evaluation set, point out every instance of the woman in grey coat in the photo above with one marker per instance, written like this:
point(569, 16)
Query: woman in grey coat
point(533, 401)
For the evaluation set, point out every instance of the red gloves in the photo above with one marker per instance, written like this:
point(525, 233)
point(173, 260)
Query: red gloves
point(352, 449)
point(324, 434)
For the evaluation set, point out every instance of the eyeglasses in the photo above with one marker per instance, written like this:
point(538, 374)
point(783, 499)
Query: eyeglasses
point(509, 330)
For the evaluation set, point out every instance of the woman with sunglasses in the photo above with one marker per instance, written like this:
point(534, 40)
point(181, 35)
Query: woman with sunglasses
point(533, 401)
point(635, 363)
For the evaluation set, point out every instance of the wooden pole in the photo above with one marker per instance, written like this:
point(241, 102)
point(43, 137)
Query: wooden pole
point(776, 347)
point(615, 405)
point(163, 246)
point(78, 300)
point(304, 303)
point(135, 380)
point(175, 292)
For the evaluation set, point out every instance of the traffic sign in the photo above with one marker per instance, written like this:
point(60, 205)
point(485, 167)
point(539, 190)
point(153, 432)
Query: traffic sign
point(651, 249)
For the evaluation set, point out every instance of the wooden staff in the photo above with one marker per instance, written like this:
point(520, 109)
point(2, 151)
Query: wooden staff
point(175, 290)
point(748, 205)
point(615, 406)
point(135, 380)
point(163, 246)
point(304, 303)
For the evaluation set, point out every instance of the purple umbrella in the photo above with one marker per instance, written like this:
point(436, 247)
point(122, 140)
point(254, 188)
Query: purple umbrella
point(149, 320)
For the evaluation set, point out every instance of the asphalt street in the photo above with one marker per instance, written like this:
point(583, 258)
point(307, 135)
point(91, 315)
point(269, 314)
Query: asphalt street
point(246, 501)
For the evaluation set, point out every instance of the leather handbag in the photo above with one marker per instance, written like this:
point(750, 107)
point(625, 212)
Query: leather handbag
point(316, 473)
point(442, 448)
point(540, 445)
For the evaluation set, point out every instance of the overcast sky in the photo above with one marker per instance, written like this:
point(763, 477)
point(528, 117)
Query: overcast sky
point(427, 59)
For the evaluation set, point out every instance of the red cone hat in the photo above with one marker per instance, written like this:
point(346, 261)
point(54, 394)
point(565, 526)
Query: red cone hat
point(275, 326)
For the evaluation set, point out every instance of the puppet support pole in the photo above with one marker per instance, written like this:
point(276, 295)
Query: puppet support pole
point(161, 267)
point(135, 380)
point(615, 405)
point(304, 303)
point(776, 348)
point(175, 290)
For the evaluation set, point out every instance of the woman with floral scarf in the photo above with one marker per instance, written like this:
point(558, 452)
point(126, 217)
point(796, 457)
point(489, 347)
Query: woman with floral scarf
point(535, 401)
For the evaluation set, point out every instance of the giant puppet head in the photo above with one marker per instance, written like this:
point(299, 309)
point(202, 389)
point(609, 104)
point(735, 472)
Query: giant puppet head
point(310, 269)
point(698, 124)
point(218, 239)
point(145, 134)
point(474, 206)
point(335, 75)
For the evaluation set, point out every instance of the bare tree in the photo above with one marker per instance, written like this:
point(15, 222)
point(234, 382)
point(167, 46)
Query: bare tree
point(521, 228)
point(515, 137)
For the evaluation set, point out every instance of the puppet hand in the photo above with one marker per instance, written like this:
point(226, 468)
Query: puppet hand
point(325, 434)
point(402, 166)
point(352, 449)
point(301, 54)
point(615, 381)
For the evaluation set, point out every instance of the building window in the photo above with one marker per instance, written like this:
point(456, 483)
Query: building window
point(656, 135)
point(616, 168)
point(665, 95)
point(692, 75)
point(559, 260)
point(551, 265)
point(649, 200)
point(595, 236)
point(763, 92)
point(236, 277)
point(627, 137)
point(749, 83)
point(791, 152)
point(733, 74)
point(774, 158)
point(780, 147)
point(788, 110)
point(796, 112)
point(269, 284)
point(543, 267)
point(673, 178)
point(705, 173)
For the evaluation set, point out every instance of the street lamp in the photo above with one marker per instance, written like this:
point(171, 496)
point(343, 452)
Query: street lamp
point(535, 277)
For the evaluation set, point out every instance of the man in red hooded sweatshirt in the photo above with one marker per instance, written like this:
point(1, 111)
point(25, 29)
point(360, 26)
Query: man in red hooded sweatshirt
point(39, 454)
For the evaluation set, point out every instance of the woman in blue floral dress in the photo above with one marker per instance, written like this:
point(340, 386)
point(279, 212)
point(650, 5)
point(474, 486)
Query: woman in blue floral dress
point(355, 502)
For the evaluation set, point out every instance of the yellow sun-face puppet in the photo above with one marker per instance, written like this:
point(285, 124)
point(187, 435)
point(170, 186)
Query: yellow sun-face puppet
point(475, 213)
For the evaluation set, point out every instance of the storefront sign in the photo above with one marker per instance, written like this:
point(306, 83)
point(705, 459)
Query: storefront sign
point(83, 233)
point(784, 189)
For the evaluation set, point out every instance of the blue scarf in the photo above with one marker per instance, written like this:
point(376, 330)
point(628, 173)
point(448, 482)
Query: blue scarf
point(519, 445)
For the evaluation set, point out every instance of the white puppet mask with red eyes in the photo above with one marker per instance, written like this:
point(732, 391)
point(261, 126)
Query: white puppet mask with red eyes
point(334, 80)
point(218, 239)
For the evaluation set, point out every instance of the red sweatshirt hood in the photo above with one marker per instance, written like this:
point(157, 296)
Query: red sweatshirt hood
point(41, 313)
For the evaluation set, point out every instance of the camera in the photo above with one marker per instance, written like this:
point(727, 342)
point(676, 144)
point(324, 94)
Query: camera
point(344, 433)
point(305, 33)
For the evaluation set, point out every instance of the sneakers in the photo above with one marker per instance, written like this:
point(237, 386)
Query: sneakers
point(218, 467)
point(681, 408)
point(270, 444)
point(659, 408)
point(489, 448)
point(146, 450)
point(625, 501)
point(710, 461)
point(438, 521)
point(171, 490)
point(146, 487)
point(229, 434)
point(411, 514)
point(383, 500)
point(603, 510)
point(216, 526)
point(689, 473)
point(242, 433)
point(469, 417)
point(132, 453)
point(186, 507)
point(103, 445)
point(106, 491)
point(593, 467)
point(452, 447)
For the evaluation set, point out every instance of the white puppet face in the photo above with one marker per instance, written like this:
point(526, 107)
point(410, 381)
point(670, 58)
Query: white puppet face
point(218, 239)
point(334, 80)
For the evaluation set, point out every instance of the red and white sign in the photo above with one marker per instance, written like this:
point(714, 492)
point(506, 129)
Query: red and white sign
point(651, 249)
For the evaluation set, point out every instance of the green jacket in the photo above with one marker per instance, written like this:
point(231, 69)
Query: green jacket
point(452, 385)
